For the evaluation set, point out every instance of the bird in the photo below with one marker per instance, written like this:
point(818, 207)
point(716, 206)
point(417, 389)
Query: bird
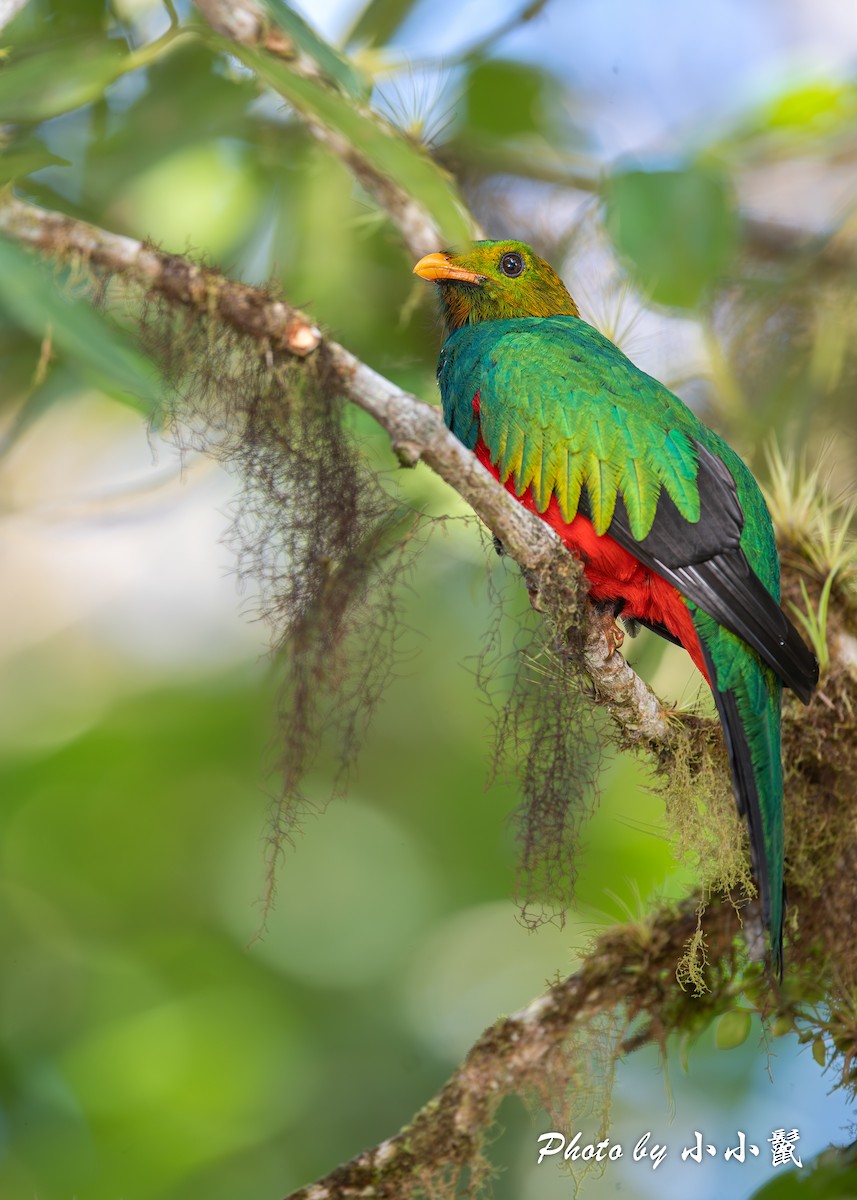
point(670, 525)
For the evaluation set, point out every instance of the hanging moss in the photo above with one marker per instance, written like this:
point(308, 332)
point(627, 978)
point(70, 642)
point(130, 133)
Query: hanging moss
point(545, 735)
point(315, 534)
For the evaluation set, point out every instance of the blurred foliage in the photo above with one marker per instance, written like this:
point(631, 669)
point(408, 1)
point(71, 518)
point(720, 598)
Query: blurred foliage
point(677, 231)
point(833, 1177)
point(150, 1045)
point(504, 99)
point(31, 299)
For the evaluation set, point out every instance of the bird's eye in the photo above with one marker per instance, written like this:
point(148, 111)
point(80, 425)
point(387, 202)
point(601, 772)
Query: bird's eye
point(512, 264)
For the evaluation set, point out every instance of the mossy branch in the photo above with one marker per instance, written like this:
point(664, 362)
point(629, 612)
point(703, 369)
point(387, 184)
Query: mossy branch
point(630, 968)
point(416, 429)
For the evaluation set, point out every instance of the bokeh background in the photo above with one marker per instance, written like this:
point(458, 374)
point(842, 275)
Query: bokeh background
point(692, 171)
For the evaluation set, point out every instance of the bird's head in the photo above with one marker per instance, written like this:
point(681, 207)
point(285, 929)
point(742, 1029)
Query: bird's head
point(491, 281)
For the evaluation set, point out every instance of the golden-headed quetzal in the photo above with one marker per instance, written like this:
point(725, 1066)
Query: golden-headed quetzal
point(670, 524)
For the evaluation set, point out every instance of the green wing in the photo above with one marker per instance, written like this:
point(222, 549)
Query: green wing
point(564, 412)
point(557, 415)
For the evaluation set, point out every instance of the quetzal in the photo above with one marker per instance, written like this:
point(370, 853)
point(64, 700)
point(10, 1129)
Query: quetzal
point(669, 523)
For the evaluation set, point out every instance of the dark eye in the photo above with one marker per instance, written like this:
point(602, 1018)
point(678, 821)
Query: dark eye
point(512, 264)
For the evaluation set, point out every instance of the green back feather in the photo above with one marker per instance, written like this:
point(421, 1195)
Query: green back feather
point(561, 407)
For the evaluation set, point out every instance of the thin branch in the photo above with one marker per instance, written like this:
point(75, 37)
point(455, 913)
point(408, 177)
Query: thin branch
point(831, 252)
point(485, 42)
point(246, 24)
point(416, 430)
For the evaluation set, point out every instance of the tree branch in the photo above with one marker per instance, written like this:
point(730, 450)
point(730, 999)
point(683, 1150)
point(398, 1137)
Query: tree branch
point(631, 967)
point(416, 430)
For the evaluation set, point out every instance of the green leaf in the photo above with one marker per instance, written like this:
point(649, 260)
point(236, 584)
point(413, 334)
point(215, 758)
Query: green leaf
point(379, 21)
point(833, 1176)
point(386, 152)
point(733, 1029)
point(16, 163)
point(505, 99)
point(676, 230)
point(819, 1051)
point(331, 63)
point(815, 118)
point(34, 300)
point(817, 107)
point(47, 82)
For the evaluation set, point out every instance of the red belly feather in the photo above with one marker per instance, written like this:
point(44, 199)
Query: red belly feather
point(613, 573)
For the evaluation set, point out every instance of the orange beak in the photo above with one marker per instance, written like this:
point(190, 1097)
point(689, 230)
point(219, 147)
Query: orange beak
point(439, 266)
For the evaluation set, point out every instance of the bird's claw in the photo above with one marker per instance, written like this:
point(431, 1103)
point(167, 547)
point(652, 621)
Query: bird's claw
point(532, 590)
point(613, 635)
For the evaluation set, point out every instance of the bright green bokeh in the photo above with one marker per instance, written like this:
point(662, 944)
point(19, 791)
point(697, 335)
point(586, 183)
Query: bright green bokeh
point(215, 171)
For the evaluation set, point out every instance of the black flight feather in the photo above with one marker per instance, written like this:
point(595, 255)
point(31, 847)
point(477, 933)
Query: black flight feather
point(704, 560)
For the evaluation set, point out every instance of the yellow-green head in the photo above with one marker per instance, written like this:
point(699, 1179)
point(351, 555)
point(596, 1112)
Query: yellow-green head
point(491, 281)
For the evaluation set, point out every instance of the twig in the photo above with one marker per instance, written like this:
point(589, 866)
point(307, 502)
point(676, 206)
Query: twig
point(246, 24)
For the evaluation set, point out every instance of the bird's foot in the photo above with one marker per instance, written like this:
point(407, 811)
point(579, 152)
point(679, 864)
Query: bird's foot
point(606, 614)
point(534, 596)
point(532, 591)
